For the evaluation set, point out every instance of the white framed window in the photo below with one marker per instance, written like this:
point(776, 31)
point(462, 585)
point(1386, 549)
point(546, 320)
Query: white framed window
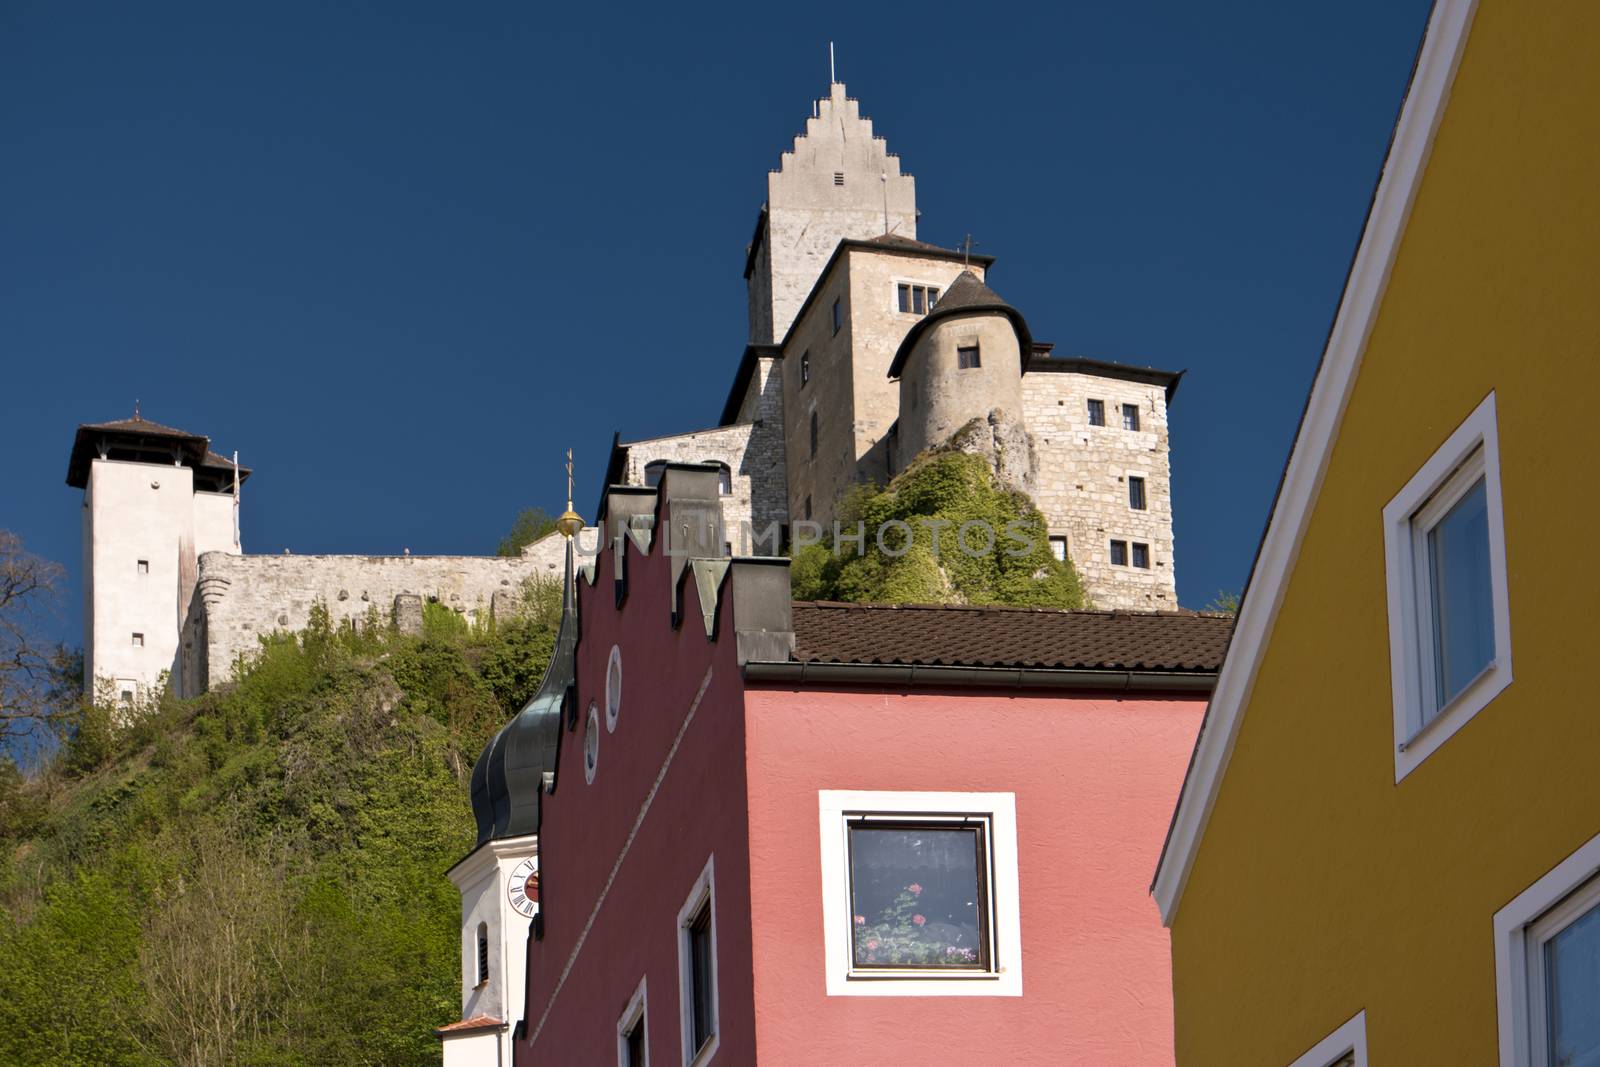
point(1141, 555)
point(697, 968)
point(1058, 547)
point(919, 893)
point(613, 688)
point(1345, 1047)
point(1445, 563)
point(633, 1041)
point(1119, 553)
point(1547, 966)
point(1097, 412)
point(1130, 416)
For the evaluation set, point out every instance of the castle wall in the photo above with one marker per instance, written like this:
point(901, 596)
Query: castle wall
point(753, 453)
point(242, 598)
point(877, 326)
point(829, 393)
point(937, 397)
point(838, 181)
point(213, 522)
point(138, 512)
point(1082, 486)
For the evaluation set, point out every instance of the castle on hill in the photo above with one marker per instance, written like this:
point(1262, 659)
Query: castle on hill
point(866, 346)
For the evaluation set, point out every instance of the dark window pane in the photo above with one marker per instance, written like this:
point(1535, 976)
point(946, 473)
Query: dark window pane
point(1141, 555)
point(838, 317)
point(805, 367)
point(700, 963)
point(967, 357)
point(1119, 553)
point(1097, 413)
point(1572, 989)
point(1130, 416)
point(813, 433)
point(918, 295)
point(636, 1044)
point(918, 896)
point(1136, 494)
point(905, 298)
point(1463, 609)
point(933, 298)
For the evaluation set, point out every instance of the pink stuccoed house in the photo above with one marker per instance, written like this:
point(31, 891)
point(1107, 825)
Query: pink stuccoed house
point(796, 833)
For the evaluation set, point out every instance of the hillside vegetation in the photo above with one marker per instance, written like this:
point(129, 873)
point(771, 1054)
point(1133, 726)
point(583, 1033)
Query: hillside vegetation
point(257, 876)
point(1002, 558)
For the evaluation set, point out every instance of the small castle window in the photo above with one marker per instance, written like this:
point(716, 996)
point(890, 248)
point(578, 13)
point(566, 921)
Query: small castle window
point(138, 640)
point(1097, 413)
point(1119, 553)
point(483, 953)
point(144, 566)
point(916, 299)
point(813, 438)
point(1141, 556)
point(838, 177)
point(1136, 499)
point(1058, 548)
point(805, 366)
point(838, 317)
point(967, 357)
point(724, 480)
point(808, 506)
point(1130, 416)
point(127, 697)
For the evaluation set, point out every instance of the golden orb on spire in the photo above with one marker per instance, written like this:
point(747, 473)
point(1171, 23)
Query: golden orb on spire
point(569, 522)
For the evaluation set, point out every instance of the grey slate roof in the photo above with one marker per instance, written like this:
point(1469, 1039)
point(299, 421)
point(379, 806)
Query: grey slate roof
point(964, 296)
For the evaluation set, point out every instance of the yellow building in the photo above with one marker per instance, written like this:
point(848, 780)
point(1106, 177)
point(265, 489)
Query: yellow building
point(1387, 844)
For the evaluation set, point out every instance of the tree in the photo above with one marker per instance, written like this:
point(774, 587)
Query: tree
point(34, 687)
point(530, 525)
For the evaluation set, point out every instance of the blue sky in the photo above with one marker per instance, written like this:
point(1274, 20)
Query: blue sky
point(401, 256)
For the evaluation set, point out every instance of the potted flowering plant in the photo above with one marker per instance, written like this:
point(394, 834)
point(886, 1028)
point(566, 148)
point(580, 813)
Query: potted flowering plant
point(902, 936)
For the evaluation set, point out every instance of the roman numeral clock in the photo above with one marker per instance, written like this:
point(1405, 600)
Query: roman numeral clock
point(522, 888)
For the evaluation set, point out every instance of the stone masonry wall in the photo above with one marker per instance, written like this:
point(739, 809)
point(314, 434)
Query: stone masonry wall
point(1082, 482)
point(835, 182)
point(241, 598)
point(754, 458)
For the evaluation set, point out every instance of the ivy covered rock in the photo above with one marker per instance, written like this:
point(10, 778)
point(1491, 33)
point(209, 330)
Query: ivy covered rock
point(945, 531)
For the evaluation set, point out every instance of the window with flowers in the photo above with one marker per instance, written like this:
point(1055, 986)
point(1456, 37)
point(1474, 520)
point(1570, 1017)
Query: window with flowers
point(919, 893)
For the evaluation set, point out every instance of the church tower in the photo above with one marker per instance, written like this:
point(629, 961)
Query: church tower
point(154, 500)
point(837, 181)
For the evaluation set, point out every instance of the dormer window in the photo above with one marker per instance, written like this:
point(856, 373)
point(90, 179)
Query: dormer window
point(913, 299)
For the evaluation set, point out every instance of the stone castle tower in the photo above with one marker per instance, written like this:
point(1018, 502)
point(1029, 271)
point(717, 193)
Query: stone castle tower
point(867, 346)
point(154, 499)
point(838, 181)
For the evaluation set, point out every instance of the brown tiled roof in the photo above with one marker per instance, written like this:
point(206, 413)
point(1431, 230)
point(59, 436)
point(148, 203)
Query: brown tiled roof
point(959, 636)
point(477, 1022)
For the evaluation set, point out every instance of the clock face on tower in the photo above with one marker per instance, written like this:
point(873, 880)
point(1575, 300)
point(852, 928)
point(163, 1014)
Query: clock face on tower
point(522, 888)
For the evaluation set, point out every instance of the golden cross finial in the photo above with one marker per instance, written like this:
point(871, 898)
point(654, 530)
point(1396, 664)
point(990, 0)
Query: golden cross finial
point(570, 521)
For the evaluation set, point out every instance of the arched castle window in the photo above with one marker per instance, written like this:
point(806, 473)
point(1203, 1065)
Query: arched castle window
point(724, 479)
point(483, 953)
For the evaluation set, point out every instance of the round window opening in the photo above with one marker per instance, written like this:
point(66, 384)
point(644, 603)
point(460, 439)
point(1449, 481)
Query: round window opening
point(591, 744)
point(613, 688)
